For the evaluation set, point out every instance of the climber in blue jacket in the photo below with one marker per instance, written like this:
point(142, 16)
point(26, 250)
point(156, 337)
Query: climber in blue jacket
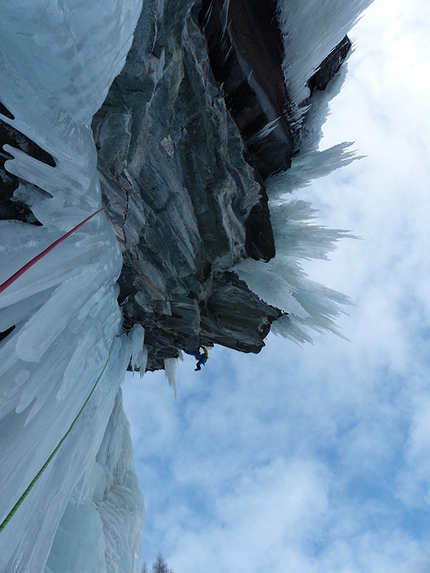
point(201, 357)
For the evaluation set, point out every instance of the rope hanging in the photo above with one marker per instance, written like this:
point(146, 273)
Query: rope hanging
point(45, 465)
point(3, 287)
point(37, 258)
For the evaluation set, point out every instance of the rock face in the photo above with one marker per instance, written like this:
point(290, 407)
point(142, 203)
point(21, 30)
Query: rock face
point(329, 66)
point(188, 133)
point(246, 55)
point(183, 201)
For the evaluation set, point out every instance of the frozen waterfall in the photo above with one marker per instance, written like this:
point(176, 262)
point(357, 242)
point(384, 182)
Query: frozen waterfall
point(57, 61)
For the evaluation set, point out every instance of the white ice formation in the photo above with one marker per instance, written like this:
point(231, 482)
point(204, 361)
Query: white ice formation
point(311, 30)
point(57, 61)
point(282, 281)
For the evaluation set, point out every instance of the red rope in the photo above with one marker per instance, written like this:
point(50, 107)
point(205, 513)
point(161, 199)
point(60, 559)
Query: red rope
point(37, 258)
point(129, 317)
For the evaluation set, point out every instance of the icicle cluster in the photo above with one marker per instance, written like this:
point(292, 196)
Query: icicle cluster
point(311, 30)
point(282, 282)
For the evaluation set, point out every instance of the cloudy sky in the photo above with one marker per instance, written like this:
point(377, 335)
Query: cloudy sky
point(317, 458)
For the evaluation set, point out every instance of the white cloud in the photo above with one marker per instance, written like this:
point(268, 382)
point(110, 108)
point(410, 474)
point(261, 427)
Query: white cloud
point(269, 508)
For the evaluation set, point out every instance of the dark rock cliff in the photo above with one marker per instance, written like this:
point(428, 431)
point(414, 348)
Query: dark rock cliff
point(184, 202)
point(189, 131)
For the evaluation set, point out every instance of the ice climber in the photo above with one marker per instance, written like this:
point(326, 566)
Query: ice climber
point(201, 358)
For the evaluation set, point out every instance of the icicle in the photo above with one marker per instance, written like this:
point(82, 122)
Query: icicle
point(171, 371)
point(143, 361)
point(137, 347)
point(264, 131)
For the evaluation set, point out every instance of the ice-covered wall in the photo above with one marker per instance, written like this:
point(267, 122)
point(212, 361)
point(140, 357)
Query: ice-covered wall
point(57, 61)
point(311, 30)
point(101, 528)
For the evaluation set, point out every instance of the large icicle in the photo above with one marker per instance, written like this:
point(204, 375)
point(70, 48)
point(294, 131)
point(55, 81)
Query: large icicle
point(171, 371)
point(139, 352)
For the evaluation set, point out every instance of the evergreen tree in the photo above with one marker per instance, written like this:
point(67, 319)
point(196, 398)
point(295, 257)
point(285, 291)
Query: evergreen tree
point(160, 565)
point(144, 568)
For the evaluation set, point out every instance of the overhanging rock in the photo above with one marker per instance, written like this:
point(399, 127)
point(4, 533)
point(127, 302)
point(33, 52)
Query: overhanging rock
point(189, 131)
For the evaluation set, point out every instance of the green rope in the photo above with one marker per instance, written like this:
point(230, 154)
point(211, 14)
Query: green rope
point(45, 465)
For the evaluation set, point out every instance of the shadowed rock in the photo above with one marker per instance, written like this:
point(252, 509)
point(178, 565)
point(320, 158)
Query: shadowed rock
point(329, 66)
point(183, 198)
point(10, 207)
point(246, 54)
